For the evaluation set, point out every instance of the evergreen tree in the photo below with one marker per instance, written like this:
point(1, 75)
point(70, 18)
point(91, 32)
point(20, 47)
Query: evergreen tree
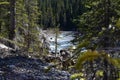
point(59, 12)
point(94, 24)
point(32, 31)
point(4, 15)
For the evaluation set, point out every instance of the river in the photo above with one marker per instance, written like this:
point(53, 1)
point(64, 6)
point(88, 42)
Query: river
point(64, 39)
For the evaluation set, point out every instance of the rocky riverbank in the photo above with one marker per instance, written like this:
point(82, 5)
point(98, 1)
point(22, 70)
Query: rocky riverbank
point(24, 68)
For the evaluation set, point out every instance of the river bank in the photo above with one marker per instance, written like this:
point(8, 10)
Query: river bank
point(17, 67)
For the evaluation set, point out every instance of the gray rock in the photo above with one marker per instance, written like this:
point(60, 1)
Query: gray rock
point(24, 68)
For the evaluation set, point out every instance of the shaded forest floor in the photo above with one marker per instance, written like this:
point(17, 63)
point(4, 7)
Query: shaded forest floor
point(25, 68)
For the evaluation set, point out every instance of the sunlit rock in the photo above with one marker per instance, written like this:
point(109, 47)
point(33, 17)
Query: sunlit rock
point(4, 48)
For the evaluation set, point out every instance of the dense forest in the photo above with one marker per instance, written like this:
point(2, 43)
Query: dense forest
point(97, 23)
point(54, 12)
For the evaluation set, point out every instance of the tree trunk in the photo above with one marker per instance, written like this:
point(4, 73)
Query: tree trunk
point(12, 22)
point(0, 18)
point(0, 26)
point(56, 43)
point(106, 23)
point(29, 24)
point(56, 38)
point(107, 13)
point(105, 77)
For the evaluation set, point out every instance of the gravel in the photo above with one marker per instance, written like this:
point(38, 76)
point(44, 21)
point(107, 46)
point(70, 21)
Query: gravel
point(24, 68)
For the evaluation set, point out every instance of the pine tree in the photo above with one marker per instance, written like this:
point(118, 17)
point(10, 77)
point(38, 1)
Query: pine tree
point(32, 32)
point(60, 11)
point(95, 21)
point(4, 15)
point(13, 22)
point(27, 30)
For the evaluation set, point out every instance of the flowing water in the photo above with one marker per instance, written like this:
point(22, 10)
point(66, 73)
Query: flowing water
point(63, 41)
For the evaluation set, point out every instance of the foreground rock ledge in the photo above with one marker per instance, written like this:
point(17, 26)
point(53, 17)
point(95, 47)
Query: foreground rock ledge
point(24, 68)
